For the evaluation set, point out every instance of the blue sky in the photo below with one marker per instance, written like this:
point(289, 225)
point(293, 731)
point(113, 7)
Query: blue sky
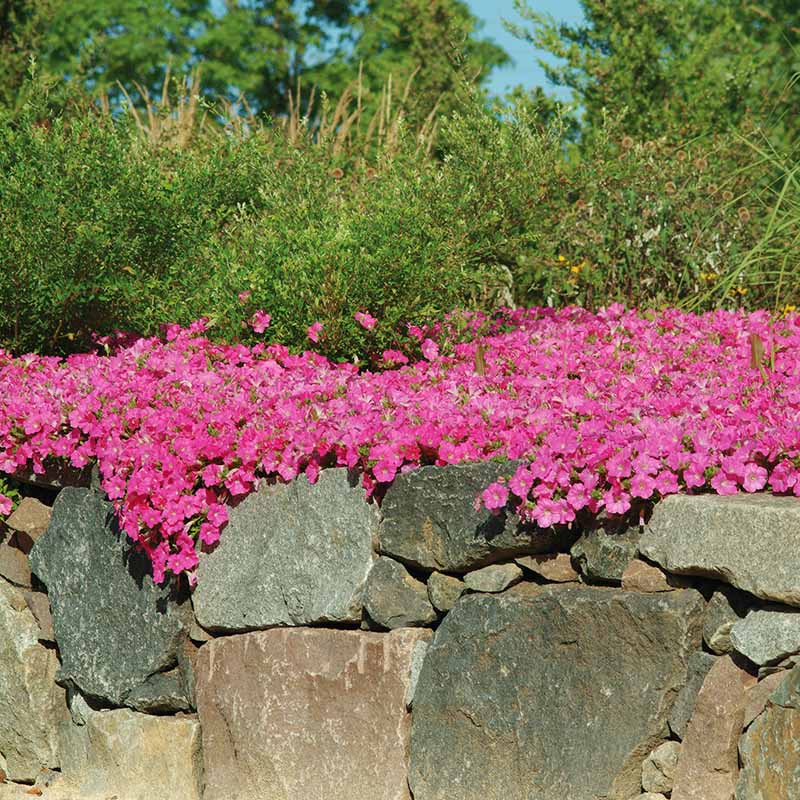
point(525, 70)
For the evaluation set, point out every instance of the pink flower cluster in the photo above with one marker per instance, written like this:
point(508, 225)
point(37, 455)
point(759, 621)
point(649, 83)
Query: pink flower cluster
point(605, 411)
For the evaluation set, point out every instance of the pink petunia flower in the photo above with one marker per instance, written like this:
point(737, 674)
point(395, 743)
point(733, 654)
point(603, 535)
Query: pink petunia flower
point(495, 496)
point(366, 320)
point(313, 331)
point(430, 349)
point(260, 321)
point(755, 477)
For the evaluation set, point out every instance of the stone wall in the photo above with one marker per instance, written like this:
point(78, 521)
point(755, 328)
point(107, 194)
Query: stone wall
point(333, 650)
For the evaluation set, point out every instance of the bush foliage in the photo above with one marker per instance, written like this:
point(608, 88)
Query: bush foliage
point(132, 221)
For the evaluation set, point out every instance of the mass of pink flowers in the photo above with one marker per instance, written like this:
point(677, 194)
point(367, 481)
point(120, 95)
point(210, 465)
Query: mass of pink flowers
point(604, 411)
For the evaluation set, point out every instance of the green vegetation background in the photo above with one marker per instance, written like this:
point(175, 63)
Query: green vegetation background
point(336, 157)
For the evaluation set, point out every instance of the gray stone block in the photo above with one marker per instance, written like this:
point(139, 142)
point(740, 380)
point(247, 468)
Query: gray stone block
point(115, 628)
point(751, 541)
point(524, 695)
point(430, 521)
point(291, 554)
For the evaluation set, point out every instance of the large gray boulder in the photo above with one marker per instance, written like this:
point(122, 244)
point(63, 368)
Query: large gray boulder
point(751, 541)
point(559, 693)
point(291, 554)
point(115, 628)
point(430, 521)
point(31, 704)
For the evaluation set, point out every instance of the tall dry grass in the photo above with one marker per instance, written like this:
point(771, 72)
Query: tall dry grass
point(354, 124)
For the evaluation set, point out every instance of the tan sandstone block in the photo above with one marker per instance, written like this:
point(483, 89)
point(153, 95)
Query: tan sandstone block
point(132, 756)
point(299, 713)
point(708, 766)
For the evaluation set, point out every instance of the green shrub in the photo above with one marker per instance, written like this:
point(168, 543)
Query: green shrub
point(108, 228)
point(646, 223)
point(134, 221)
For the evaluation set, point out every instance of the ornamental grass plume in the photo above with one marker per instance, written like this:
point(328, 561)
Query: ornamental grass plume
point(605, 412)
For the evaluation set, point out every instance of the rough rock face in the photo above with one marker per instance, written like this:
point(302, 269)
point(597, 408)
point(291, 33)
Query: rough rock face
point(494, 578)
point(17, 535)
point(115, 628)
point(658, 770)
point(708, 766)
point(699, 665)
point(429, 520)
point(767, 635)
point(751, 541)
point(291, 554)
point(13, 559)
point(444, 590)
point(306, 713)
point(726, 607)
point(31, 517)
point(39, 606)
point(555, 567)
point(602, 555)
point(770, 750)
point(133, 756)
point(639, 576)
point(758, 695)
point(528, 689)
point(31, 705)
point(394, 598)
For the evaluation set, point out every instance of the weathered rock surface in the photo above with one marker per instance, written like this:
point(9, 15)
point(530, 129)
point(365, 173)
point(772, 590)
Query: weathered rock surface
point(528, 689)
point(726, 607)
point(417, 659)
point(115, 628)
point(751, 541)
point(395, 599)
point(767, 635)
point(198, 634)
point(306, 713)
point(31, 705)
point(781, 666)
point(651, 796)
point(658, 769)
point(555, 567)
point(31, 518)
point(429, 520)
point(708, 766)
point(770, 749)
point(699, 665)
point(602, 555)
point(758, 694)
point(291, 554)
point(133, 756)
point(494, 578)
point(639, 576)
point(444, 591)
point(14, 565)
point(39, 606)
point(17, 535)
point(162, 693)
